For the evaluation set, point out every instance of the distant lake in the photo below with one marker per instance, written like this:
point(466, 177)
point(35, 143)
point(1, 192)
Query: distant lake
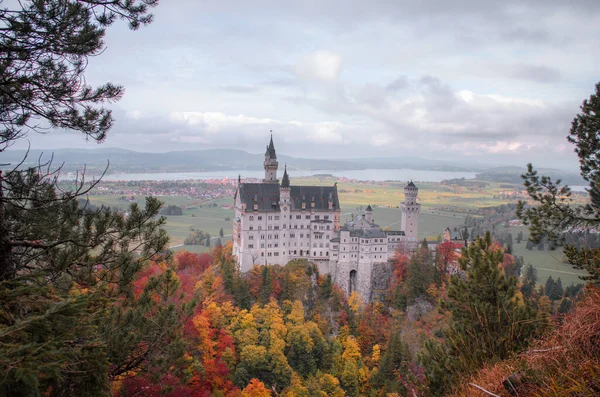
point(364, 175)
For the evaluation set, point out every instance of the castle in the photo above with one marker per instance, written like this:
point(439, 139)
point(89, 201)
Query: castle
point(275, 223)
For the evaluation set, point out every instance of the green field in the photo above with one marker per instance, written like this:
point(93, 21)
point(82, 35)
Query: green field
point(547, 263)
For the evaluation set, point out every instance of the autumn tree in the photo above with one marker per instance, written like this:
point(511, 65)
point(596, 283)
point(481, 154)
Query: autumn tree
point(555, 211)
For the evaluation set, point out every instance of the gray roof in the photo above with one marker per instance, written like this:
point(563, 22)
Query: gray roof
point(271, 149)
point(369, 208)
point(395, 232)
point(366, 233)
point(285, 181)
point(266, 195)
point(411, 184)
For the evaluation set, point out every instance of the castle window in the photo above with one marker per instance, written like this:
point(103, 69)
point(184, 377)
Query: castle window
point(262, 236)
point(250, 245)
point(326, 253)
point(326, 217)
point(276, 227)
point(251, 228)
point(275, 245)
point(270, 218)
point(259, 227)
point(262, 245)
point(298, 216)
point(269, 254)
point(276, 217)
point(307, 216)
point(276, 253)
point(317, 217)
point(292, 235)
point(260, 218)
point(250, 237)
point(269, 227)
point(320, 253)
point(327, 227)
point(262, 254)
point(251, 218)
point(295, 226)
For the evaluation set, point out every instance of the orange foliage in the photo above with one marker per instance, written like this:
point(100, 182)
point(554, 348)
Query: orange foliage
point(256, 389)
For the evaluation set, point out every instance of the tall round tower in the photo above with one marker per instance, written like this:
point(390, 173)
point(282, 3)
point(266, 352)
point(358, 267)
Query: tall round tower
point(410, 211)
point(270, 163)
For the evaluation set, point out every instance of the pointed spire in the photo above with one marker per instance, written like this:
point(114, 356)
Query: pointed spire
point(271, 148)
point(285, 181)
point(369, 208)
point(239, 179)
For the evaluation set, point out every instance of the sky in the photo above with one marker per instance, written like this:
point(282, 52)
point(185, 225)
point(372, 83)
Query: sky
point(462, 80)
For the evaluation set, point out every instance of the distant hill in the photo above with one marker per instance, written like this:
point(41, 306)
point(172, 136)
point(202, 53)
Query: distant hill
point(129, 161)
point(122, 160)
point(512, 174)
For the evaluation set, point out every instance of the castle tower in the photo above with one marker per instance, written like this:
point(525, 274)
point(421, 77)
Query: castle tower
point(270, 164)
point(410, 211)
point(369, 214)
point(284, 192)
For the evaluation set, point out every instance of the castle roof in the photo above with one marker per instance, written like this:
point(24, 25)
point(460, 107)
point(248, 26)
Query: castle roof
point(366, 233)
point(369, 208)
point(285, 181)
point(266, 196)
point(411, 184)
point(271, 150)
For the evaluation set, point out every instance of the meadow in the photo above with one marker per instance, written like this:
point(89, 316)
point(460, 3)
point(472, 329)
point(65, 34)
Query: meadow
point(442, 206)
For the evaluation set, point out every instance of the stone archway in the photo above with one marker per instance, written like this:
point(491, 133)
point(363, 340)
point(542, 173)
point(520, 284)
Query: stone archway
point(352, 284)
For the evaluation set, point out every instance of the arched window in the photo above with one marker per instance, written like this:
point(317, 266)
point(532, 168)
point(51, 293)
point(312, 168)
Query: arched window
point(352, 282)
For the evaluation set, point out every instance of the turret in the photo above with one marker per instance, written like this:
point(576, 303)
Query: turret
point(410, 211)
point(284, 191)
point(369, 214)
point(270, 163)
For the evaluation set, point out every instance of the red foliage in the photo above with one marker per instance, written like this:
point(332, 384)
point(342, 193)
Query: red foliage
point(448, 254)
point(197, 263)
point(373, 328)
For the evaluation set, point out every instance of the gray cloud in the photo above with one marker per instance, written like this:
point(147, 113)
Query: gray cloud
point(435, 78)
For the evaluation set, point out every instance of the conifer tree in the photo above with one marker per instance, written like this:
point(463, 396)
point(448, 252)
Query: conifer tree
point(70, 316)
point(555, 211)
point(489, 319)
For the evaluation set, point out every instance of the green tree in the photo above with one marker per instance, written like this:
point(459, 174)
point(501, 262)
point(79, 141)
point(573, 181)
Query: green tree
point(46, 46)
point(488, 319)
point(392, 364)
point(555, 211)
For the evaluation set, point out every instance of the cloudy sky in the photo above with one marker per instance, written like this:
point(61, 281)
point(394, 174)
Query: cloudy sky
point(463, 80)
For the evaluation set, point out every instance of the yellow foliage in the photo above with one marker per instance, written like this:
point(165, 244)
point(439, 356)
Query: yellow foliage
point(296, 316)
point(351, 350)
point(355, 302)
point(376, 354)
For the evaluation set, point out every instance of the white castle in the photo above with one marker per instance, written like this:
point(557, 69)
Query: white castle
point(276, 222)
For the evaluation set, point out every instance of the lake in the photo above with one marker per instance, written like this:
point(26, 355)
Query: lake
point(365, 175)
